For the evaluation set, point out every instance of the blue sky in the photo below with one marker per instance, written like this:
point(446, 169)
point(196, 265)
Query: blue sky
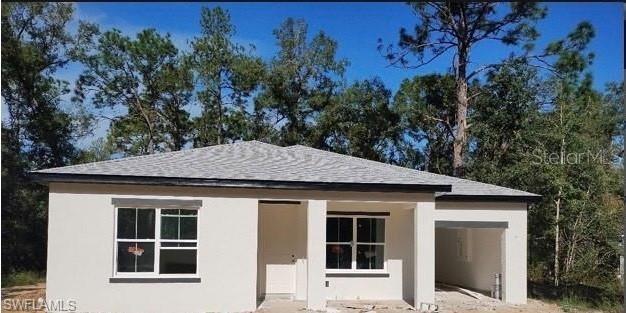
point(356, 27)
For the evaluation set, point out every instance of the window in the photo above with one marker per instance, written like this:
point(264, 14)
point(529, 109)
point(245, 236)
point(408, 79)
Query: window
point(344, 252)
point(156, 241)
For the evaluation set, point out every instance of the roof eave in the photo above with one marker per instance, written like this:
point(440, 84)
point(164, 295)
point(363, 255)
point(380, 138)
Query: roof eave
point(488, 198)
point(43, 177)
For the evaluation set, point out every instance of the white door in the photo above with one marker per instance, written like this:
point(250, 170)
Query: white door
point(278, 244)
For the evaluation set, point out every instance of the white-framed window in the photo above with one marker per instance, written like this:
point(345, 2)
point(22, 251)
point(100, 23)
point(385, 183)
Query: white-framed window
point(156, 242)
point(355, 243)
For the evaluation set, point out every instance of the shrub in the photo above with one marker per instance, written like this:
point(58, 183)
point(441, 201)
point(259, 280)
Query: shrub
point(21, 278)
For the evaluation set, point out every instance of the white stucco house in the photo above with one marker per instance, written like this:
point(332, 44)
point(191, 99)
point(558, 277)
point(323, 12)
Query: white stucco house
point(216, 229)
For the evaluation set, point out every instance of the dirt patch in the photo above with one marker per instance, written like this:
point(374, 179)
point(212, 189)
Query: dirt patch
point(23, 299)
point(449, 301)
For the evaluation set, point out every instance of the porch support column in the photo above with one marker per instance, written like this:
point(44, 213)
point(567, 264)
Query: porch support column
point(424, 254)
point(514, 259)
point(316, 255)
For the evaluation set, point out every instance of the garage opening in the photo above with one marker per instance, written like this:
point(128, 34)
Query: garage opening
point(470, 255)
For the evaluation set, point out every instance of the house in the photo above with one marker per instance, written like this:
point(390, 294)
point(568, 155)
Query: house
point(218, 228)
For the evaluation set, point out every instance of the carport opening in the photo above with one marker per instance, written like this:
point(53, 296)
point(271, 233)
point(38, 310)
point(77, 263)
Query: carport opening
point(470, 257)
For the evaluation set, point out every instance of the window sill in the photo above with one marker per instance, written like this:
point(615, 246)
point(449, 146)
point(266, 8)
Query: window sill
point(150, 280)
point(358, 274)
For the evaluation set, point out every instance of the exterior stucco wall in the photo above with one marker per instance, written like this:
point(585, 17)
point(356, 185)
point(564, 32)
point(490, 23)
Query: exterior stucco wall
point(398, 256)
point(513, 243)
point(81, 254)
point(81, 247)
point(475, 271)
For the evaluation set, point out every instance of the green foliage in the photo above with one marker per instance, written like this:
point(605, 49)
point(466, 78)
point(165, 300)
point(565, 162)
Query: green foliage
point(147, 78)
point(556, 136)
point(360, 122)
point(427, 106)
point(302, 80)
point(457, 27)
point(228, 74)
point(21, 278)
point(37, 133)
point(460, 25)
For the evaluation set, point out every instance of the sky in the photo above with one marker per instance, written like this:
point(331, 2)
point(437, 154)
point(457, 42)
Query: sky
point(356, 27)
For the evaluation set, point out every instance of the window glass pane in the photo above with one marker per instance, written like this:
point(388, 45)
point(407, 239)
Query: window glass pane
point(369, 256)
point(169, 227)
point(126, 223)
point(338, 256)
point(338, 229)
point(178, 244)
point(145, 261)
point(145, 223)
point(169, 211)
point(177, 261)
point(135, 256)
point(188, 212)
point(370, 230)
point(188, 227)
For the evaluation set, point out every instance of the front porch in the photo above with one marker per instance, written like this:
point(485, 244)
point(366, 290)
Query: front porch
point(296, 262)
point(293, 250)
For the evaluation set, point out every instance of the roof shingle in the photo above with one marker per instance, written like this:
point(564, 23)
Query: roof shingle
point(257, 161)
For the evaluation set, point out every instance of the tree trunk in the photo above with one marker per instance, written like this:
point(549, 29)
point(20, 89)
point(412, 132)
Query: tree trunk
point(558, 201)
point(460, 137)
point(146, 117)
point(219, 116)
point(556, 239)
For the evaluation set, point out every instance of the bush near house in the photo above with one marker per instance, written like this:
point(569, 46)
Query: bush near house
point(22, 278)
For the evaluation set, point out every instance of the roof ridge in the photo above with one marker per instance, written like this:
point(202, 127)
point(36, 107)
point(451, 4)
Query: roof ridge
point(402, 169)
point(397, 168)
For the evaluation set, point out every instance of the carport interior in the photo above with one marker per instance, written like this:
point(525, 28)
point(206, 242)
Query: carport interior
point(469, 255)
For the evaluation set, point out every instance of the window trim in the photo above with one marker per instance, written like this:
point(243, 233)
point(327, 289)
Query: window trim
point(353, 270)
point(157, 244)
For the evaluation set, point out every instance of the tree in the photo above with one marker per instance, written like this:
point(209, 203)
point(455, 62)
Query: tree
point(302, 79)
point(361, 122)
point(506, 117)
point(147, 78)
point(176, 86)
point(426, 105)
point(228, 75)
point(38, 132)
point(459, 27)
point(555, 136)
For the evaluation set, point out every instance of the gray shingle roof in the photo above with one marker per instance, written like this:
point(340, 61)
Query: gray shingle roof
point(256, 161)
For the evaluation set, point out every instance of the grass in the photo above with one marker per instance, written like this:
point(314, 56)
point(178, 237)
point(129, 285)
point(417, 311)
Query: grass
point(22, 278)
point(576, 304)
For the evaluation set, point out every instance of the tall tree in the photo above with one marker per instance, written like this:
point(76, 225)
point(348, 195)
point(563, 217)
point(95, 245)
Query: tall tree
point(361, 122)
point(555, 136)
point(147, 81)
point(426, 105)
point(506, 118)
point(228, 74)
point(302, 79)
point(458, 27)
point(38, 132)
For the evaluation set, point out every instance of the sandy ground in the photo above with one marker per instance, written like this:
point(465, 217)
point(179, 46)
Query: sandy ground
point(449, 301)
point(453, 303)
point(24, 298)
